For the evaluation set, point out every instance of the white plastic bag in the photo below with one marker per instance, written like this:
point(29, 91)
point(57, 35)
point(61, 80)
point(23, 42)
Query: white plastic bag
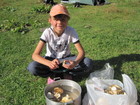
point(95, 90)
point(130, 89)
point(107, 72)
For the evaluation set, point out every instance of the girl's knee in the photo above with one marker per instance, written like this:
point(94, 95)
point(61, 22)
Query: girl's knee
point(89, 63)
point(38, 69)
point(32, 68)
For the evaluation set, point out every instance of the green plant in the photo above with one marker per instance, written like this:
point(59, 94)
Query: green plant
point(9, 9)
point(37, 23)
point(15, 26)
point(41, 9)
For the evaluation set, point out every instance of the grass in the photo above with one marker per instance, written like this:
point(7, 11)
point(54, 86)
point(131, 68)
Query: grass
point(108, 33)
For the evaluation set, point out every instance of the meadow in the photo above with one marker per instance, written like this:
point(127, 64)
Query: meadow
point(108, 33)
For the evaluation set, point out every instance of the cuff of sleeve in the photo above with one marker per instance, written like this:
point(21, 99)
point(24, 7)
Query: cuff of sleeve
point(76, 42)
point(43, 40)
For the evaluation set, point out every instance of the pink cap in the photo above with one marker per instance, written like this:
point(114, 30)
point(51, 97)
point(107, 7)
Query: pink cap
point(59, 9)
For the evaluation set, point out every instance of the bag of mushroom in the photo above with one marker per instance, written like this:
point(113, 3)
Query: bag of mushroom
point(108, 91)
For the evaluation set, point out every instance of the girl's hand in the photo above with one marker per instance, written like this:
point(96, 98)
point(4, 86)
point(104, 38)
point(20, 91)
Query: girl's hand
point(54, 64)
point(68, 64)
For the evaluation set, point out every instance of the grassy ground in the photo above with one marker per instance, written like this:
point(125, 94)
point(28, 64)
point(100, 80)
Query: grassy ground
point(109, 33)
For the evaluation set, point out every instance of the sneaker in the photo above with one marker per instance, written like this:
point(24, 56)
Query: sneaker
point(49, 81)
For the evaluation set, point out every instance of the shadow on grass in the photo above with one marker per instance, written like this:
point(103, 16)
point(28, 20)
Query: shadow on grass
point(117, 63)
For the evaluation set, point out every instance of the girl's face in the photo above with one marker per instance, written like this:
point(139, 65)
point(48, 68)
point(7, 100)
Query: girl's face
point(59, 23)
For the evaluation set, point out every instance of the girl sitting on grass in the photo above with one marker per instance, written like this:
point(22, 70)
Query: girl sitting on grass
point(58, 60)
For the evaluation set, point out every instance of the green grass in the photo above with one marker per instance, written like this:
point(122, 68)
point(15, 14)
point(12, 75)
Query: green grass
point(109, 33)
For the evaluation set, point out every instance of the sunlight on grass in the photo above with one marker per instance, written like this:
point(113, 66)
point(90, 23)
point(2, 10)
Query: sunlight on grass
point(108, 33)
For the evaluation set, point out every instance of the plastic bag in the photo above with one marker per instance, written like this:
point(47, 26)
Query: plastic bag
point(95, 89)
point(130, 88)
point(107, 72)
